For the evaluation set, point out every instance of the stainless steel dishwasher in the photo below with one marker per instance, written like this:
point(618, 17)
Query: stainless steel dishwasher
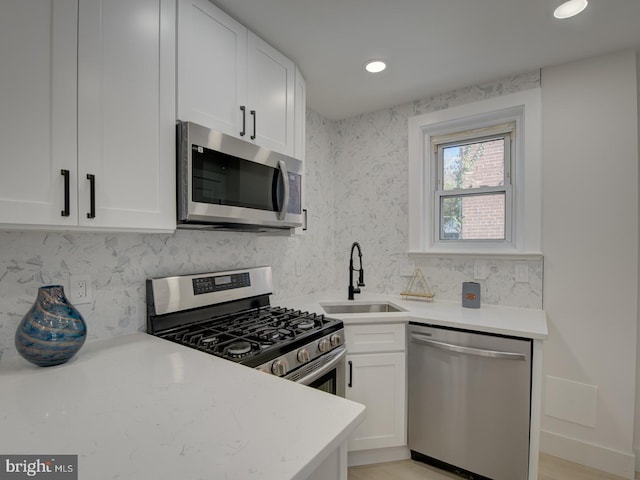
point(469, 402)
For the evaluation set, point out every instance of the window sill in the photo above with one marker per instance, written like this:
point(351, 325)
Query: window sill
point(478, 254)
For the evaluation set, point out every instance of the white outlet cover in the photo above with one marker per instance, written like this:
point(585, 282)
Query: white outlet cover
point(75, 293)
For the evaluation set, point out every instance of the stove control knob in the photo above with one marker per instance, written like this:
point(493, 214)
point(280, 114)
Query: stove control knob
point(279, 367)
point(303, 355)
point(324, 345)
point(335, 340)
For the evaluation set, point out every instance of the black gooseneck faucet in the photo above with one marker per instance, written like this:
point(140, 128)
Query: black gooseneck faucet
point(352, 289)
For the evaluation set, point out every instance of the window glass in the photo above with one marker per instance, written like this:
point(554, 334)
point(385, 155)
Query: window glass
point(474, 164)
point(472, 187)
point(473, 217)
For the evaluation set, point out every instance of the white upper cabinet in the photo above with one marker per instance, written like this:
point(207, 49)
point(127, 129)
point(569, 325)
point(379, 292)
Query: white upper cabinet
point(37, 110)
point(270, 97)
point(126, 113)
point(212, 67)
point(88, 87)
point(232, 81)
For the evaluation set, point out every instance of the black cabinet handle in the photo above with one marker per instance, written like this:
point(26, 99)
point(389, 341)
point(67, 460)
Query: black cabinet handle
point(306, 220)
point(65, 174)
point(244, 118)
point(92, 186)
point(253, 113)
point(350, 374)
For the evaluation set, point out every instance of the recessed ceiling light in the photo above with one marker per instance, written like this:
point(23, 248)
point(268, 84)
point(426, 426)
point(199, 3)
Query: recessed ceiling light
point(570, 8)
point(375, 66)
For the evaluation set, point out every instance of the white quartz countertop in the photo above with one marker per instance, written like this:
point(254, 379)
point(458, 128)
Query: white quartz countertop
point(519, 322)
point(136, 407)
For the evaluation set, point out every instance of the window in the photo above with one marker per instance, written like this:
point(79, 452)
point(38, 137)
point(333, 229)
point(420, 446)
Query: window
point(473, 185)
point(475, 177)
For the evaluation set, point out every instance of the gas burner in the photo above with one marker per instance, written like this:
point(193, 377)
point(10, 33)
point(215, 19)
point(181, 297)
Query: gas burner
point(306, 324)
point(210, 341)
point(270, 334)
point(239, 349)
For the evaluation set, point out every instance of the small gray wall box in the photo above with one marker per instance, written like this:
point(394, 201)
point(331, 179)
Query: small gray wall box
point(471, 294)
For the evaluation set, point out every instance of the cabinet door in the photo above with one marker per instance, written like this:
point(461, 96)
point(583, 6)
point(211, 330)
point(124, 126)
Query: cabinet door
point(212, 68)
point(375, 337)
point(271, 96)
point(379, 382)
point(126, 113)
point(37, 110)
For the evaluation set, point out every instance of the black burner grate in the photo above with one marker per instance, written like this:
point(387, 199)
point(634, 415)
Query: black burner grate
point(249, 333)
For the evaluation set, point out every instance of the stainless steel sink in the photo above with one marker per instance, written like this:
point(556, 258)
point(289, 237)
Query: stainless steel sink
point(377, 307)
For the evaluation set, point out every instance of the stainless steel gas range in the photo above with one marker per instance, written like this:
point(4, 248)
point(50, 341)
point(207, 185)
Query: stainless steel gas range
point(228, 314)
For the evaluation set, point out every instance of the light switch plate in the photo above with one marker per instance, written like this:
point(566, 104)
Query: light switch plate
point(522, 273)
point(480, 270)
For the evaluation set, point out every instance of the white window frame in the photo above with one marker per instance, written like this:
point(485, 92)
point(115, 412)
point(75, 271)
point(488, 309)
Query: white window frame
point(524, 235)
point(439, 144)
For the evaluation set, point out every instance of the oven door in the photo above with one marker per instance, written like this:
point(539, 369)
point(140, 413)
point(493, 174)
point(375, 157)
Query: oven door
point(330, 377)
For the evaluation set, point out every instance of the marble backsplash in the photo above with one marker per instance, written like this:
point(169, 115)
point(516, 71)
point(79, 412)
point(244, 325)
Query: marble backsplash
point(356, 184)
point(119, 264)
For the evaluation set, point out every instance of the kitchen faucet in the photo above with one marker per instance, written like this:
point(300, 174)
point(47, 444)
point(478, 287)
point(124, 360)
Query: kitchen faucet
point(352, 289)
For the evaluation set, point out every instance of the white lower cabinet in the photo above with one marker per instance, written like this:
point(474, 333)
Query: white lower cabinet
point(376, 377)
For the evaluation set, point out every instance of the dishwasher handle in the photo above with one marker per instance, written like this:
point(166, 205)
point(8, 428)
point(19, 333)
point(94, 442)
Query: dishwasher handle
point(467, 350)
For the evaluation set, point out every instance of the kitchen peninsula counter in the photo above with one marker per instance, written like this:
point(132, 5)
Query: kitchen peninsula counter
point(138, 406)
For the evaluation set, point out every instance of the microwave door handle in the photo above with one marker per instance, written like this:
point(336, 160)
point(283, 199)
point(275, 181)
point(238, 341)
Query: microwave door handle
point(284, 174)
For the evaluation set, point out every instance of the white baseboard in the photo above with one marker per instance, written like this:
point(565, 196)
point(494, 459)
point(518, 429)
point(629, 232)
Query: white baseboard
point(379, 455)
point(615, 462)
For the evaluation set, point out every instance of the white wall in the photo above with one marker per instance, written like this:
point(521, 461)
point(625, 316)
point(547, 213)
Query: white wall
point(590, 243)
point(637, 417)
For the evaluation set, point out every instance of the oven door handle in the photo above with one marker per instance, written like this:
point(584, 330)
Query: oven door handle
point(312, 377)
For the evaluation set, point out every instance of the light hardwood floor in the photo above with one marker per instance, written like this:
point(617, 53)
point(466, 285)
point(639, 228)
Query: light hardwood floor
point(550, 468)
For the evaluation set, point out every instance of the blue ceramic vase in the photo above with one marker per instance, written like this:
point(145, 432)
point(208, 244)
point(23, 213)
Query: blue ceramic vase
point(52, 331)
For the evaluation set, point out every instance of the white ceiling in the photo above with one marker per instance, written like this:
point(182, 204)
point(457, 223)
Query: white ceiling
point(431, 46)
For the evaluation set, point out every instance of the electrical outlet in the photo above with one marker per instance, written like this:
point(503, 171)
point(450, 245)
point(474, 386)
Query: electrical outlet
point(80, 290)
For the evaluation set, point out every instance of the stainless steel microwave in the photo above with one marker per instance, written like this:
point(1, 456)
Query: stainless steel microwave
point(227, 183)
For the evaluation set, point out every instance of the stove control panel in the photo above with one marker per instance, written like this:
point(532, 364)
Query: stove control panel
point(220, 282)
